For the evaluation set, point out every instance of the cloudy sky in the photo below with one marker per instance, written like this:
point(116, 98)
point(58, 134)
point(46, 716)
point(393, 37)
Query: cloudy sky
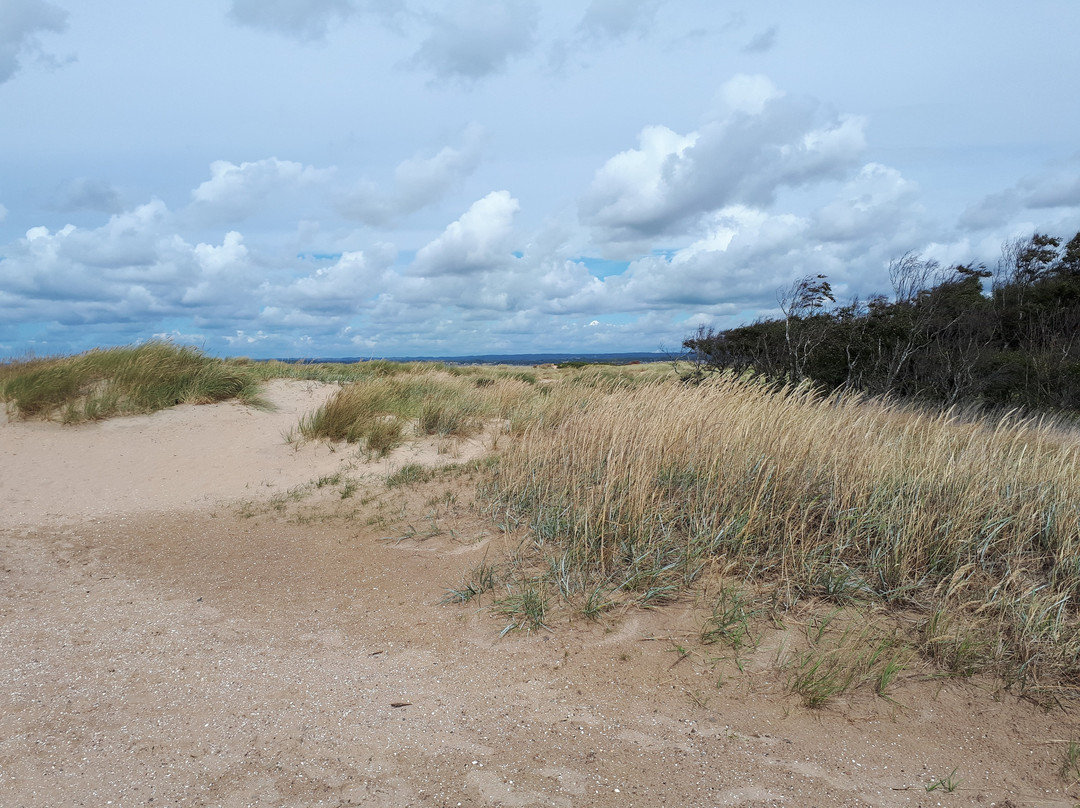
point(413, 177)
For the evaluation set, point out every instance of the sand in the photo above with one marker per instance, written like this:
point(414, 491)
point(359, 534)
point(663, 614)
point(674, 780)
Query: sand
point(186, 620)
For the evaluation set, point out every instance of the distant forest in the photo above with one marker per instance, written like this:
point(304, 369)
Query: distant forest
point(942, 337)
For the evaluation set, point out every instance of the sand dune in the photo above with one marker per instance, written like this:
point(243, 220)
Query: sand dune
point(170, 638)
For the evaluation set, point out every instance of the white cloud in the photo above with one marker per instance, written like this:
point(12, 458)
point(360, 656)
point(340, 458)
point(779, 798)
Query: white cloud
point(479, 240)
point(305, 20)
point(21, 24)
point(124, 246)
point(241, 338)
point(632, 188)
point(477, 38)
point(418, 182)
point(234, 192)
point(742, 254)
point(420, 179)
point(761, 142)
point(342, 288)
point(875, 204)
point(747, 94)
point(134, 266)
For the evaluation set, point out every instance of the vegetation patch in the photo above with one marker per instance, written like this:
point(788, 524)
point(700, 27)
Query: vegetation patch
point(972, 525)
point(121, 381)
point(939, 338)
point(844, 653)
point(410, 474)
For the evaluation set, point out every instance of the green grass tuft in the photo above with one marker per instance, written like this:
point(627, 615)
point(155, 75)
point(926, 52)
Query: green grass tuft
point(410, 474)
point(121, 381)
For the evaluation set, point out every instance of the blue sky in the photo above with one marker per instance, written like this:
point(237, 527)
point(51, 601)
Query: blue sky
point(396, 177)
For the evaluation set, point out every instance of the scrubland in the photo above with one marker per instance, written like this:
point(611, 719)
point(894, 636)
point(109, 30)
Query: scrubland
point(896, 541)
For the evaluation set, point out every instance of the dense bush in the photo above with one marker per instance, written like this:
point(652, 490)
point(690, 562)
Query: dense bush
point(940, 338)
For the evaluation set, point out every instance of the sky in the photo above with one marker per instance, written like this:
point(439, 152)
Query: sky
point(302, 178)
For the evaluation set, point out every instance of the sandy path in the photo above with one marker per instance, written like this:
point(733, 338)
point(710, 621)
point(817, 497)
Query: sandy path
point(183, 457)
point(182, 654)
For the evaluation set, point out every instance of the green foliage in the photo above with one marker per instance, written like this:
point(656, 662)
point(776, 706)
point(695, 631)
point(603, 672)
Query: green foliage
point(526, 605)
point(729, 621)
point(1070, 766)
point(970, 523)
point(380, 401)
point(839, 659)
point(475, 582)
point(385, 434)
point(940, 339)
point(949, 783)
point(410, 474)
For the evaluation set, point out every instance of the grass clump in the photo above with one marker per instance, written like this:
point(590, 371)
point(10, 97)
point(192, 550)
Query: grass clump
point(120, 381)
point(378, 407)
point(1070, 766)
point(410, 474)
point(949, 783)
point(730, 620)
point(527, 606)
point(843, 654)
point(478, 580)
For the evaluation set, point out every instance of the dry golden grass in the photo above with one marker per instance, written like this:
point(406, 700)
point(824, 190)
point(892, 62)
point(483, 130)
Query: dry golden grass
point(440, 400)
point(638, 490)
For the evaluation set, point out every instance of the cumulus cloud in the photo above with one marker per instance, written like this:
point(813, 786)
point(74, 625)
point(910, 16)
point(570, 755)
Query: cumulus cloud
point(741, 254)
point(480, 240)
point(632, 188)
point(761, 142)
point(477, 38)
point(234, 192)
point(219, 269)
point(418, 182)
point(135, 266)
point(305, 20)
point(875, 203)
point(21, 24)
point(342, 288)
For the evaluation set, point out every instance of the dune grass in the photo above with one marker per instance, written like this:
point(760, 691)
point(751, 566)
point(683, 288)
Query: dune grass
point(429, 399)
point(972, 527)
point(117, 381)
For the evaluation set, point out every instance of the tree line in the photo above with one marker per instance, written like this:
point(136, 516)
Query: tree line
point(942, 337)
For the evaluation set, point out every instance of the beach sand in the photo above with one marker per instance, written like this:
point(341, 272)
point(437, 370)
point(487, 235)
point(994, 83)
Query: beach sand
point(186, 619)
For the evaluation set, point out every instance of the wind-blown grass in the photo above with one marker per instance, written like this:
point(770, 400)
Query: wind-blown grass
point(433, 399)
point(117, 381)
point(840, 498)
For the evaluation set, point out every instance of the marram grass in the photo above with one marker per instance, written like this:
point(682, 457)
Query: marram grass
point(117, 381)
point(434, 399)
point(641, 489)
